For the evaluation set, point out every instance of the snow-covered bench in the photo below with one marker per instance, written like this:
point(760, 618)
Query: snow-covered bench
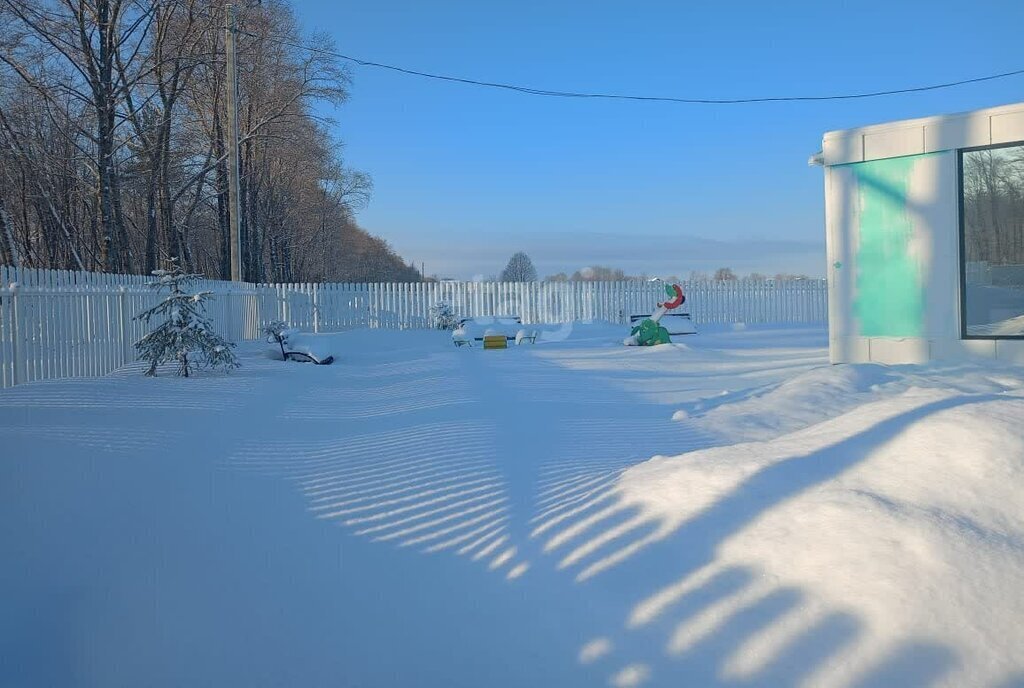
point(298, 346)
point(492, 319)
point(475, 329)
point(675, 323)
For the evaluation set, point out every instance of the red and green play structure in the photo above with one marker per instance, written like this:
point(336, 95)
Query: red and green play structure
point(649, 331)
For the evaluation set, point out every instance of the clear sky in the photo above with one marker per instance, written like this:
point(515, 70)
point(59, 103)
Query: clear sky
point(465, 176)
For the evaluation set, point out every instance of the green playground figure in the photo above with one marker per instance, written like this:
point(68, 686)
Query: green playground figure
point(649, 332)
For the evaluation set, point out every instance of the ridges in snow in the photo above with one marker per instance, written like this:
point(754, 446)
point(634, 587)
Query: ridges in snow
point(427, 365)
point(581, 514)
point(201, 393)
point(377, 399)
point(124, 440)
point(624, 441)
point(545, 385)
point(545, 382)
point(431, 486)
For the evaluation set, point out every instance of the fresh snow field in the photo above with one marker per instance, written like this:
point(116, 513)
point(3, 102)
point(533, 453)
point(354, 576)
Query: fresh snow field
point(728, 510)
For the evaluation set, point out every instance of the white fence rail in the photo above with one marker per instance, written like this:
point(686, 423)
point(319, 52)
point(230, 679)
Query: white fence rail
point(63, 324)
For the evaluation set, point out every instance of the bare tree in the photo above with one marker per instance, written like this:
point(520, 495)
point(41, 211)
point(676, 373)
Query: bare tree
point(993, 206)
point(113, 143)
point(519, 269)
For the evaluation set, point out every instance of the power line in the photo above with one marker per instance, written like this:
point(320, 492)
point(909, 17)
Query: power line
point(621, 96)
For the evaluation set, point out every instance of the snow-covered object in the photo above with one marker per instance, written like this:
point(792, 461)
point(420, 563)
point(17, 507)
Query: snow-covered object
point(442, 317)
point(319, 348)
point(478, 328)
point(651, 330)
point(674, 323)
point(484, 326)
point(294, 345)
point(186, 336)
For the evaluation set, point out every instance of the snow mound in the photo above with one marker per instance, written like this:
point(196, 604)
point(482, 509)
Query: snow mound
point(768, 411)
point(905, 515)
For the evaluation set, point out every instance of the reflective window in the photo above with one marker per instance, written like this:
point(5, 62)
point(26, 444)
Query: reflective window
point(992, 185)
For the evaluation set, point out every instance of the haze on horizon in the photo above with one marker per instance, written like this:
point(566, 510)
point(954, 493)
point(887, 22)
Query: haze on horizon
point(465, 176)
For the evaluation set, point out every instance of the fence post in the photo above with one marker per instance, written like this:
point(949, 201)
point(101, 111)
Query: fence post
point(229, 316)
point(122, 321)
point(15, 333)
point(316, 310)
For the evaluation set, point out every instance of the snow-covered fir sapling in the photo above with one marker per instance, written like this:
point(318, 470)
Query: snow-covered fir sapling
point(185, 336)
point(443, 317)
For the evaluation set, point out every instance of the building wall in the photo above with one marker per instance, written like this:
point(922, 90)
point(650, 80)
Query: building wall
point(893, 237)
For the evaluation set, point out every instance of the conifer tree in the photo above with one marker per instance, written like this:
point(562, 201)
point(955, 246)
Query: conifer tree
point(185, 336)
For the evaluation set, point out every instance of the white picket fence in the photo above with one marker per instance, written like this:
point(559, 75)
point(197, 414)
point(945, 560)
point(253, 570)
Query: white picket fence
point(337, 306)
point(57, 323)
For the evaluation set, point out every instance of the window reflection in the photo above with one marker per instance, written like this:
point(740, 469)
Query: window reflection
point(993, 240)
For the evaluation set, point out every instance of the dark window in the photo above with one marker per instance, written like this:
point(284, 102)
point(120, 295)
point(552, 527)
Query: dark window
point(992, 241)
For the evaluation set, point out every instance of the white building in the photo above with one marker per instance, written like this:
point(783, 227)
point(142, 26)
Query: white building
point(925, 238)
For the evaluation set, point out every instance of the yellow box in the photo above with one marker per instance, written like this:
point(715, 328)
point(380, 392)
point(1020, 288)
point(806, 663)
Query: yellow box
point(495, 341)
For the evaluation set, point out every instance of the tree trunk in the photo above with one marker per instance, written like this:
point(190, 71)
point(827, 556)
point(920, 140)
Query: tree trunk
point(8, 246)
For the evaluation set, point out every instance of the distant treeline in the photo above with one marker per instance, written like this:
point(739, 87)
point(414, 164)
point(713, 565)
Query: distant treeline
point(600, 273)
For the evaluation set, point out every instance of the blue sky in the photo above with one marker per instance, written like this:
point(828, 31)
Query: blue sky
point(465, 176)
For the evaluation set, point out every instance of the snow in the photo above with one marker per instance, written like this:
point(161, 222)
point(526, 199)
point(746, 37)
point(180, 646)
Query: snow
point(909, 527)
point(728, 510)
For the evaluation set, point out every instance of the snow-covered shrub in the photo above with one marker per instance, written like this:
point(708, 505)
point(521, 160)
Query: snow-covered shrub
point(185, 331)
point(442, 317)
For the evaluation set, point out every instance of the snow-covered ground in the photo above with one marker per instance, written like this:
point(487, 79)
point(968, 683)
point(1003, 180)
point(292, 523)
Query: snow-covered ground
point(728, 510)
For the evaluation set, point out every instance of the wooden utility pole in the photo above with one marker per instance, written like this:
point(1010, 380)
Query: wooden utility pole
point(234, 206)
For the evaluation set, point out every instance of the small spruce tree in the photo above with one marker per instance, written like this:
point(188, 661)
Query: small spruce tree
point(186, 335)
point(442, 317)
